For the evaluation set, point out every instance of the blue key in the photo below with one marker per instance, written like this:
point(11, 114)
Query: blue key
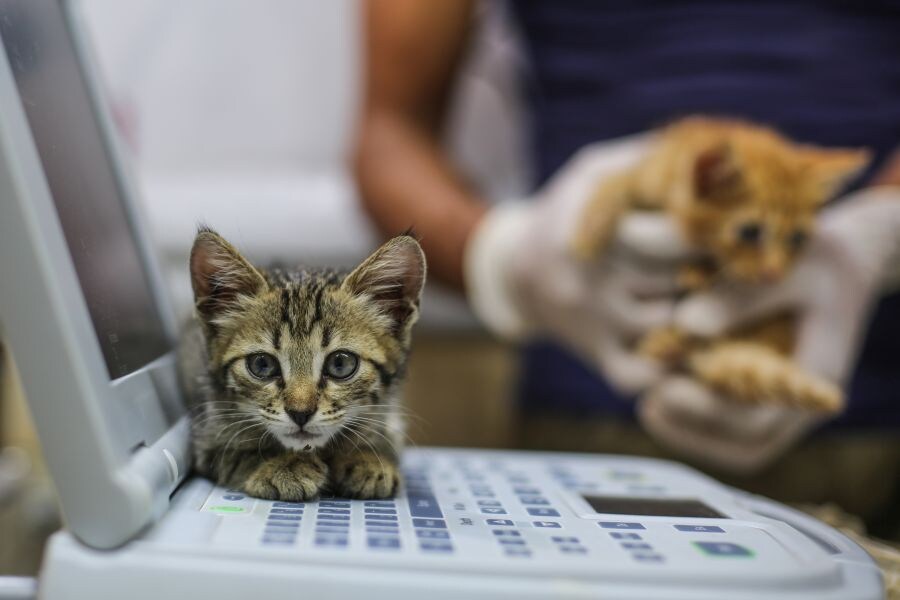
point(700, 528)
point(636, 546)
point(380, 511)
point(233, 497)
point(620, 525)
point(430, 523)
point(564, 539)
point(483, 494)
point(511, 541)
point(489, 510)
point(520, 489)
point(506, 533)
point(379, 503)
point(335, 530)
point(334, 504)
point(334, 511)
point(423, 505)
point(280, 540)
point(653, 558)
point(283, 524)
point(436, 546)
point(723, 549)
point(550, 524)
point(542, 512)
point(499, 522)
point(286, 511)
point(382, 530)
point(489, 503)
point(383, 542)
point(322, 517)
point(518, 479)
point(573, 549)
point(518, 552)
point(287, 504)
point(284, 517)
point(345, 524)
point(618, 535)
point(433, 533)
point(380, 518)
point(331, 541)
point(533, 500)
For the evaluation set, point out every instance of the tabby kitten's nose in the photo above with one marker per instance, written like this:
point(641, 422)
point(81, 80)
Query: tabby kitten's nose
point(300, 417)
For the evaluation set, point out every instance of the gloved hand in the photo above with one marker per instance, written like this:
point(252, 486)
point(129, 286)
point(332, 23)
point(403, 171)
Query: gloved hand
point(852, 259)
point(522, 279)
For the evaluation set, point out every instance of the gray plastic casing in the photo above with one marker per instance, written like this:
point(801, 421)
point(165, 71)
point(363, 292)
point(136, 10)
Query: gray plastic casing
point(116, 448)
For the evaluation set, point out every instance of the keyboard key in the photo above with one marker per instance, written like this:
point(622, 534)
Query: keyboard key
point(344, 524)
point(648, 558)
point(499, 522)
point(277, 540)
point(288, 505)
point(636, 546)
point(534, 501)
point(511, 541)
point(334, 504)
point(489, 503)
point(620, 525)
point(564, 539)
point(283, 524)
point(573, 549)
point(382, 530)
point(380, 518)
point(723, 549)
point(379, 503)
point(383, 542)
point(380, 511)
point(433, 533)
point(436, 546)
point(484, 494)
point(233, 497)
point(423, 506)
point(518, 552)
point(506, 533)
point(521, 489)
point(430, 523)
point(336, 530)
point(284, 517)
point(618, 535)
point(542, 512)
point(490, 510)
point(334, 511)
point(700, 528)
point(286, 511)
point(332, 541)
point(322, 517)
point(549, 524)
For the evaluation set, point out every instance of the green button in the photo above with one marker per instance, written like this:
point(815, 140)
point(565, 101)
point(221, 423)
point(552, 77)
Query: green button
point(232, 509)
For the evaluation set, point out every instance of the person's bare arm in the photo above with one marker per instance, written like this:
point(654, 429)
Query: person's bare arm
point(412, 51)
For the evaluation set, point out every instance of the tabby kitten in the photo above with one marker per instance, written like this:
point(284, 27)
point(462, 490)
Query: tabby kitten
point(746, 198)
point(292, 376)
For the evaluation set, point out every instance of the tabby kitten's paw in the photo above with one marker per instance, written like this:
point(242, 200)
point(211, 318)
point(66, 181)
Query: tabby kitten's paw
point(289, 476)
point(364, 475)
point(667, 346)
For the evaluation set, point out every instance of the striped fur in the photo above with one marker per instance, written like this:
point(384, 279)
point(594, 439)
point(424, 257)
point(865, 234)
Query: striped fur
point(243, 435)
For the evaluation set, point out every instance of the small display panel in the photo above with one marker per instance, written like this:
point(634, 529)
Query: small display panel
point(83, 183)
point(652, 507)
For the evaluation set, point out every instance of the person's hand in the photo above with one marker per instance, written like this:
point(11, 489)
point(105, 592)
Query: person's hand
point(522, 279)
point(854, 256)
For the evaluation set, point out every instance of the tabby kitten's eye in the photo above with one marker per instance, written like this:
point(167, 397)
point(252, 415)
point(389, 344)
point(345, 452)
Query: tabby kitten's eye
point(341, 364)
point(798, 239)
point(750, 233)
point(263, 366)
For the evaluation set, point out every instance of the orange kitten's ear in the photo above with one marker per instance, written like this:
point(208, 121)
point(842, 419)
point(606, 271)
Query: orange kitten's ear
point(717, 174)
point(220, 275)
point(832, 168)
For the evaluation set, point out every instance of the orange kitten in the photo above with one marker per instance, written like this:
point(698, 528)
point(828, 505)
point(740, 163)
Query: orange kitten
point(746, 197)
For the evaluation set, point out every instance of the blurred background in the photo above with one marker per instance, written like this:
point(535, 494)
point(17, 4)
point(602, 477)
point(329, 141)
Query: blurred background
point(240, 115)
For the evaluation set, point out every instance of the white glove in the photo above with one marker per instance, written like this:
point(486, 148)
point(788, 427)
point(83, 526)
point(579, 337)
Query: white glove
point(522, 280)
point(852, 259)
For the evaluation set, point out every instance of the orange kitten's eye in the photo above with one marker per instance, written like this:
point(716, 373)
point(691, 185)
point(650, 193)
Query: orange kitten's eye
point(750, 232)
point(797, 239)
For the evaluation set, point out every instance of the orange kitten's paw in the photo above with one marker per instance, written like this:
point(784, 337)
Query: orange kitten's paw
point(290, 476)
point(364, 475)
point(667, 346)
point(819, 396)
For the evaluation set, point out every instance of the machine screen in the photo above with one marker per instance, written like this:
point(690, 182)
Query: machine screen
point(652, 507)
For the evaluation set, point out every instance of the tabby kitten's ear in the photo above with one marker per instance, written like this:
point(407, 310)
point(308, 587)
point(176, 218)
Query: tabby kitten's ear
point(717, 174)
point(830, 169)
point(220, 276)
point(392, 277)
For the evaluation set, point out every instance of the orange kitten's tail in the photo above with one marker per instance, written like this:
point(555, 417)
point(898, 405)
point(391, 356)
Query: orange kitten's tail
point(752, 373)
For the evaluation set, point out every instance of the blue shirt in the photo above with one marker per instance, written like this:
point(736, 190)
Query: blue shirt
point(822, 71)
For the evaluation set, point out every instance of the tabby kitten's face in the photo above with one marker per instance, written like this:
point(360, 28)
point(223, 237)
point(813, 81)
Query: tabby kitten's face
point(756, 195)
point(306, 353)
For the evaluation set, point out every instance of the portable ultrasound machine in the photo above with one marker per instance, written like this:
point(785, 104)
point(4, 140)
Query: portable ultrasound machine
point(92, 336)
